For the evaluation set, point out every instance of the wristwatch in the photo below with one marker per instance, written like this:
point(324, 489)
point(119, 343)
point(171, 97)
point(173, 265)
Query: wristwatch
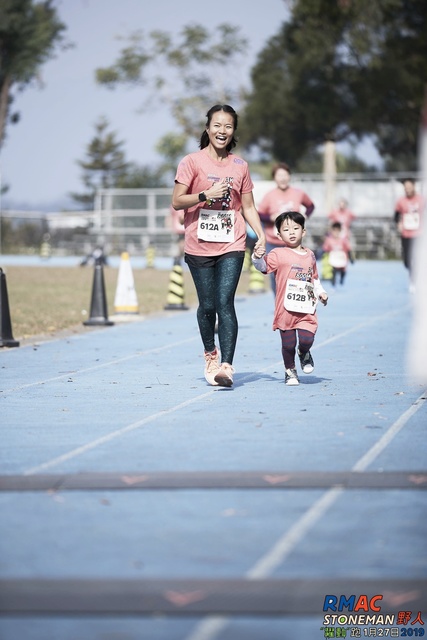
point(202, 197)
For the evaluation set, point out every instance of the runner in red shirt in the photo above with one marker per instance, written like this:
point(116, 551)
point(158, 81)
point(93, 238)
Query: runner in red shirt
point(214, 189)
point(344, 216)
point(282, 198)
point(339, 249)
point(408, 217)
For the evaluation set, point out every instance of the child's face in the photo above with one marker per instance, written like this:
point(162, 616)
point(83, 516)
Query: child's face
point(291, 233)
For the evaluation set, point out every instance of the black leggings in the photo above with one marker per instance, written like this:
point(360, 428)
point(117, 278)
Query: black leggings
point(289, 344)
point(216, 287)
point(407, 250)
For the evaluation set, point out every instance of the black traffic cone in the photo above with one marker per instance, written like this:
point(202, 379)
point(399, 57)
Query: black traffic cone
point(6, 337)
point(175, 297)
point(98, 305)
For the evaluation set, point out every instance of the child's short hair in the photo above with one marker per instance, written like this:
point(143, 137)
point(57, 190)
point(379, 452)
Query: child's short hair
point(295, 216)
point(336, 225)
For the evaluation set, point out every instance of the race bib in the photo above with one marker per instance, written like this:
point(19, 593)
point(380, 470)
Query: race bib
point(338, 259)
point(411, 221)
point(299, 296)
point(216, 225)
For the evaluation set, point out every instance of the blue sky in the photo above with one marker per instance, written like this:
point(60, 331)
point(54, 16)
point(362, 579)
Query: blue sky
point(38, 159)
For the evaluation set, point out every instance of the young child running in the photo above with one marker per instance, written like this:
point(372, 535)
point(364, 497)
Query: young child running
point(298, 289)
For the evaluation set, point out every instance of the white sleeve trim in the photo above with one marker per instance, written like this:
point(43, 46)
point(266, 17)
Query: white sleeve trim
point(259, 264)
point(318, 288)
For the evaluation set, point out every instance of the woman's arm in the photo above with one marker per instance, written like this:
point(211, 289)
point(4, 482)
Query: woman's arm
point(181, 199)
point(252, 218)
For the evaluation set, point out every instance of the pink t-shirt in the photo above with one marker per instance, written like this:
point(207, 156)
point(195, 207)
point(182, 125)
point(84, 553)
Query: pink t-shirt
point(287, 263)
point(345, 217)
point(410, 210)
point(278, 201)
point(332, 244)
point(198, 172)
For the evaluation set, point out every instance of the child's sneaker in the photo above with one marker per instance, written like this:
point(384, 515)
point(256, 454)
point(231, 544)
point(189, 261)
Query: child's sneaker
point(211, 367)
point(291, 377)
point(307, 363)
point(224, 377)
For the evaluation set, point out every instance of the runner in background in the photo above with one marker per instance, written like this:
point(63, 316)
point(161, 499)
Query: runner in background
point(407, 216)
point(178, 228)
point(282, 198)
point(344, 216)
point(338, 248)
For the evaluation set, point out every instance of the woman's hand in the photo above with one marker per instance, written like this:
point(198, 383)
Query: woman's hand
point(259, 248)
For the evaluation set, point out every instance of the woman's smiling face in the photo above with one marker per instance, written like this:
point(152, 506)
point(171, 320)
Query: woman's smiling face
point(221, 130)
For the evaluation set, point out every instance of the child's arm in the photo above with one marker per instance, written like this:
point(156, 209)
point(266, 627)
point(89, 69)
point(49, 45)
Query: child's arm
point(320, 292)
point(259, 263)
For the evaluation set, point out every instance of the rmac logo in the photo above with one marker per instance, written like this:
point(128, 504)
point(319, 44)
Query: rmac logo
point(363, 603)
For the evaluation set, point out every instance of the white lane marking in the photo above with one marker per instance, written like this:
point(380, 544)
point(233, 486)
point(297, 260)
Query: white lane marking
point(138, 354)
point(112, 435)
point(209, 628)
point(140, 423)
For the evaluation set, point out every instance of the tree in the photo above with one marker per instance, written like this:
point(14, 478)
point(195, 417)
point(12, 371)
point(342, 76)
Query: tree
point(342, 70)
point(29, 34)
point(197, 71)
point(104, 166)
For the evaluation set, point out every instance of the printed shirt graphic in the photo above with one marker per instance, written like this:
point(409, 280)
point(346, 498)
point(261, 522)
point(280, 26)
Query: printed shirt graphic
point(278, 201)
point(410, 210)
point(198, 171)
point(287, 263)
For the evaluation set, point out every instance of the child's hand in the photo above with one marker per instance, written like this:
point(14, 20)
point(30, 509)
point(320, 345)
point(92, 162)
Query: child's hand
point(323, 297)
point(259, 250)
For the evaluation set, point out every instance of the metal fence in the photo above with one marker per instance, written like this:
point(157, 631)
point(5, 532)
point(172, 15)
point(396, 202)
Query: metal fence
point(135, 219)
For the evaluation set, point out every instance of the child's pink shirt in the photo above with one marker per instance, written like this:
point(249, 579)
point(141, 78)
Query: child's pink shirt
point(198, 171)
point(287, 263)
point(337, 244)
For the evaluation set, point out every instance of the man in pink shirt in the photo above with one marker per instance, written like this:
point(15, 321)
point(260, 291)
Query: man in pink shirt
point(407, 215)
point(344, 216)
point(281, 199)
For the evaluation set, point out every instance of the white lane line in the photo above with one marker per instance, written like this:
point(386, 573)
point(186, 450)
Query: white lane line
point(138, 354)
point(211, 626)
point(140, 423)
point(112, 435)
point(383, 442)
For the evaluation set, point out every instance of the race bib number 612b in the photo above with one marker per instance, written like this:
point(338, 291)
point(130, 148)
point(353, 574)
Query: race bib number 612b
point(300, 297)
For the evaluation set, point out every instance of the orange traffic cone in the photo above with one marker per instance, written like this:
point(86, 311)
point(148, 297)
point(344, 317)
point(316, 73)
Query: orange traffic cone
point(6, 337)
point(98, 305)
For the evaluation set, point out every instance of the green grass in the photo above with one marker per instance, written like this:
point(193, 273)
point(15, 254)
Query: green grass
point(46, 300)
